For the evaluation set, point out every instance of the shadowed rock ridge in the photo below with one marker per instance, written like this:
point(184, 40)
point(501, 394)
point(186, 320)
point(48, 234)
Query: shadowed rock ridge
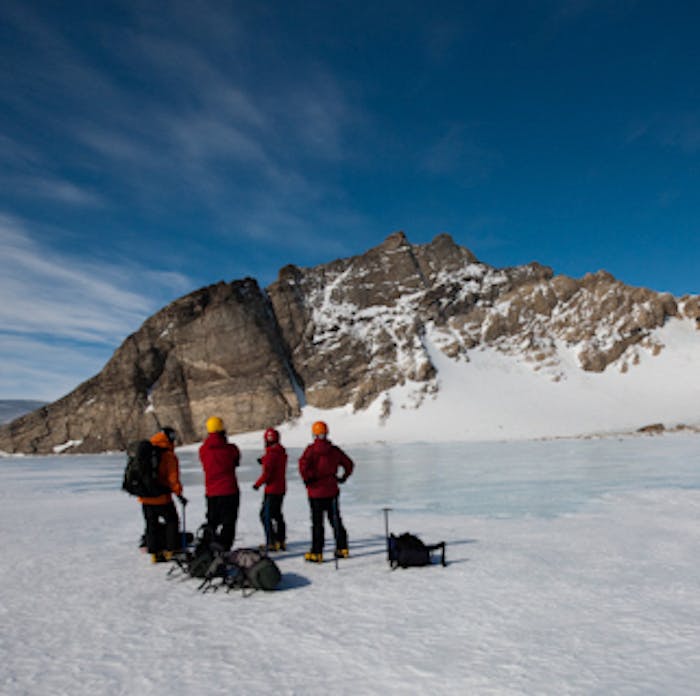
point(339, 333)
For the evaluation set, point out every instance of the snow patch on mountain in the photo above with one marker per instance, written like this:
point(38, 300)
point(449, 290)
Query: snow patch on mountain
point(492, 395)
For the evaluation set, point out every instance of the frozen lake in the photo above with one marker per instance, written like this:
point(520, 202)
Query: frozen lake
point(539, 478)
point(572, 570)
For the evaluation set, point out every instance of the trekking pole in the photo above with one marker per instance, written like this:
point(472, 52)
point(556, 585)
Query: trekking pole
point(267, 521)
point(387, 510)
point(156, 419)
point(184, 528)
point(335, 529)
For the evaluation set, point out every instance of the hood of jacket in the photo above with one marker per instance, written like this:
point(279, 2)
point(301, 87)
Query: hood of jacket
point(163, 441)
point(322, 445)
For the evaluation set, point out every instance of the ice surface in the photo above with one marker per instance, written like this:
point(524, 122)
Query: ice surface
point(572, 570)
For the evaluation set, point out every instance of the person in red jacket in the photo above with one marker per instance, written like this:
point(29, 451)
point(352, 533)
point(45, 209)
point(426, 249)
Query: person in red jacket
point(274, 476)
point(318, 466)
point(219, 460)
point(161, 507)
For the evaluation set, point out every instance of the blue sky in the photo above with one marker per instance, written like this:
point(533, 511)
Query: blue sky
point(150, 148)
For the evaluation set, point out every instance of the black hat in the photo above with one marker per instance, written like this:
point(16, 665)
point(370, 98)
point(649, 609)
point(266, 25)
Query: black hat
point(170, 433)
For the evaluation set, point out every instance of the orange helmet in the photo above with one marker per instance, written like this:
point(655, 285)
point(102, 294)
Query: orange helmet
point(271, 436)
point(319, 429)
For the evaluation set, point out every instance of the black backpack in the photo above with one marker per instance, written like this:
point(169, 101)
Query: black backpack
point(141, 472)
point(407, 551)
point(205, 552)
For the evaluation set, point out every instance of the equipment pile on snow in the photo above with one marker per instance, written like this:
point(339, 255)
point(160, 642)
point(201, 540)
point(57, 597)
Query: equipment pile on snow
point(242, 569)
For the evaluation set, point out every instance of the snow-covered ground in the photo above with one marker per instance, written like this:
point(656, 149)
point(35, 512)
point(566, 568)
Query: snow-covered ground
point(573, 569)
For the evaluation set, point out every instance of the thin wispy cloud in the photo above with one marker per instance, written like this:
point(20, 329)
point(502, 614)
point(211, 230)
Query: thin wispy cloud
point(62, 316)
point(218, 139)
point(318, 114)
point(49, 293)
point(203, 130)
point(58, 190)
point(45, 369)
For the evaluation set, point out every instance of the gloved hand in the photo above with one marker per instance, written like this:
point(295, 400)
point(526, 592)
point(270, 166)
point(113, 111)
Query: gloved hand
point(182, 500)
point(341, 479)
point(260, 461)
point(255, 487)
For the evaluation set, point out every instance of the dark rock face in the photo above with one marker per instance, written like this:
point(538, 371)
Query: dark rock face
point(353, 327)
point(213, 351)
point(341, 333)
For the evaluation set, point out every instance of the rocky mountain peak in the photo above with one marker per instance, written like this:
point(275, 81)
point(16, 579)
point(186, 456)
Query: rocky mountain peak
point(394, 241)
point(344, 332)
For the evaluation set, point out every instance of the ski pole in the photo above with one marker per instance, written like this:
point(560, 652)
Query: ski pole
point(156, 419)
point(184, 528)
point(267, 522)
point(335, 529)
point(386, 533)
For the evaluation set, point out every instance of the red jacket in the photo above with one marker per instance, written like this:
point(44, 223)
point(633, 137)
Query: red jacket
point(274, 470)
point(168, 471)
point(319, 465)
point(219, 460)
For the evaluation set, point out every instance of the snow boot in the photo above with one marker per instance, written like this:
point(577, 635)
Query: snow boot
point(161, 557)
point(274, 546)
point(342, 553)
point(312, 557)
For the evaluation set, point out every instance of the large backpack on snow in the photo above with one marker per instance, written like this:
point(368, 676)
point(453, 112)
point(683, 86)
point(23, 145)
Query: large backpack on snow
point(141, 472)
point(408, 551)
point(258, 571)
point(205, 552)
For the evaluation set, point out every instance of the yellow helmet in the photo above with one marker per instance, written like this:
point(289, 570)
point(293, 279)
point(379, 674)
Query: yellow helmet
point(215, 425)
point(319, 428)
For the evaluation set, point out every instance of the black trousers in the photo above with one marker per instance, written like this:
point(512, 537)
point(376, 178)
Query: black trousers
point(331, 508)
point(222, 515)
point(272, 519)
point(157, 517)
